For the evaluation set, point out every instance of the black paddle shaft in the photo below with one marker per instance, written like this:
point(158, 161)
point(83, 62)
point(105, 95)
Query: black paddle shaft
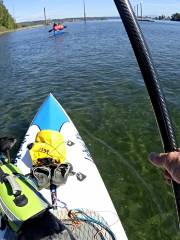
point(151, 81)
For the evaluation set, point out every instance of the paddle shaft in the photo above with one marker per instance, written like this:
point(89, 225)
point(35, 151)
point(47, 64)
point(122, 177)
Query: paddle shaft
point(151, 81)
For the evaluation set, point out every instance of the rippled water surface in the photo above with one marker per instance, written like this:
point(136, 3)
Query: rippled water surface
point(92, 71)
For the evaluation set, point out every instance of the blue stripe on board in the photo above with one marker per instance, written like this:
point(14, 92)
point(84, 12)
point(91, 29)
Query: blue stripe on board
point(50, 115)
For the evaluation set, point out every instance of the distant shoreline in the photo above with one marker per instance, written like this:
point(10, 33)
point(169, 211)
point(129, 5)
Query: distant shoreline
point(40, 23)
point(20, 29)
point(75, 19)
point(35, 24)
point(81, 19)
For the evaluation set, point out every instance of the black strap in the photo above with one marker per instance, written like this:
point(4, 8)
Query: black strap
point(3, 175)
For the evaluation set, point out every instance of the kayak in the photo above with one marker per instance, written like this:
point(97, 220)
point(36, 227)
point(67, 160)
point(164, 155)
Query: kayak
point(59, 32)
point(84, 193)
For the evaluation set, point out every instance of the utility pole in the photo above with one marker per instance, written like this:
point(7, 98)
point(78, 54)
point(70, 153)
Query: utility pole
point(13, 14)
point(137, 10)
point(84, 10)
point(45, 20)
point(141, 11)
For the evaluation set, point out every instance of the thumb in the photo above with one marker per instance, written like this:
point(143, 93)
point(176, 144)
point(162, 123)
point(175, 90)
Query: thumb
point(159, 160)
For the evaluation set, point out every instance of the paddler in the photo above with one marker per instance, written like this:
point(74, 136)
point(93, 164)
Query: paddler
point(54, 26)
point(170, 162)
point(58, 27)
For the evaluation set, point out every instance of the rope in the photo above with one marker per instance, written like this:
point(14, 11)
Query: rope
point(78, 217)
point(86, 218)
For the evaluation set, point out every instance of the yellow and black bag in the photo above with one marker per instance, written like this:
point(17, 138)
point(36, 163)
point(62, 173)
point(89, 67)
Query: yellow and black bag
point(48, 145)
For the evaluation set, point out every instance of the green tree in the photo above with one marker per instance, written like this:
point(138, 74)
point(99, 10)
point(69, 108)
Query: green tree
point(175, 17)
point(6, 20)
point(162, 17)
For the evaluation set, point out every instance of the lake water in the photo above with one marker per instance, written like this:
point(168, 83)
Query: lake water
point(92, 71)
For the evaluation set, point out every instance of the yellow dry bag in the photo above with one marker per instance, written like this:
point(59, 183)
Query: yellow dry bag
point(48, 144)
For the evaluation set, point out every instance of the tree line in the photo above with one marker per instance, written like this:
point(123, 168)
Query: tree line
point(174, 17)
point(6, 20)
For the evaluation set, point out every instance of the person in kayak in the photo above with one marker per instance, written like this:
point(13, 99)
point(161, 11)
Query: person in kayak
point(54, 25)
point(58, 27)
point(168, 161)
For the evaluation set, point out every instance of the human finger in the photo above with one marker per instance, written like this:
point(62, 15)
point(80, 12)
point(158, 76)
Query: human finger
point(159, 160)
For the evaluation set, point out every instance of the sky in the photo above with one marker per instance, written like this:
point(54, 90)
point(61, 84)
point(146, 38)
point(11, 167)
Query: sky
point(24, 10)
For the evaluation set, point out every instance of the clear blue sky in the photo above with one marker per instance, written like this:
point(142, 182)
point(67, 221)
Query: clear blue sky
point(33, 9)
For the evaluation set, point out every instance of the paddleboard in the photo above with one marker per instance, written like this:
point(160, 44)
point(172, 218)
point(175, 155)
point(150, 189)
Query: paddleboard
point(84, 192)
